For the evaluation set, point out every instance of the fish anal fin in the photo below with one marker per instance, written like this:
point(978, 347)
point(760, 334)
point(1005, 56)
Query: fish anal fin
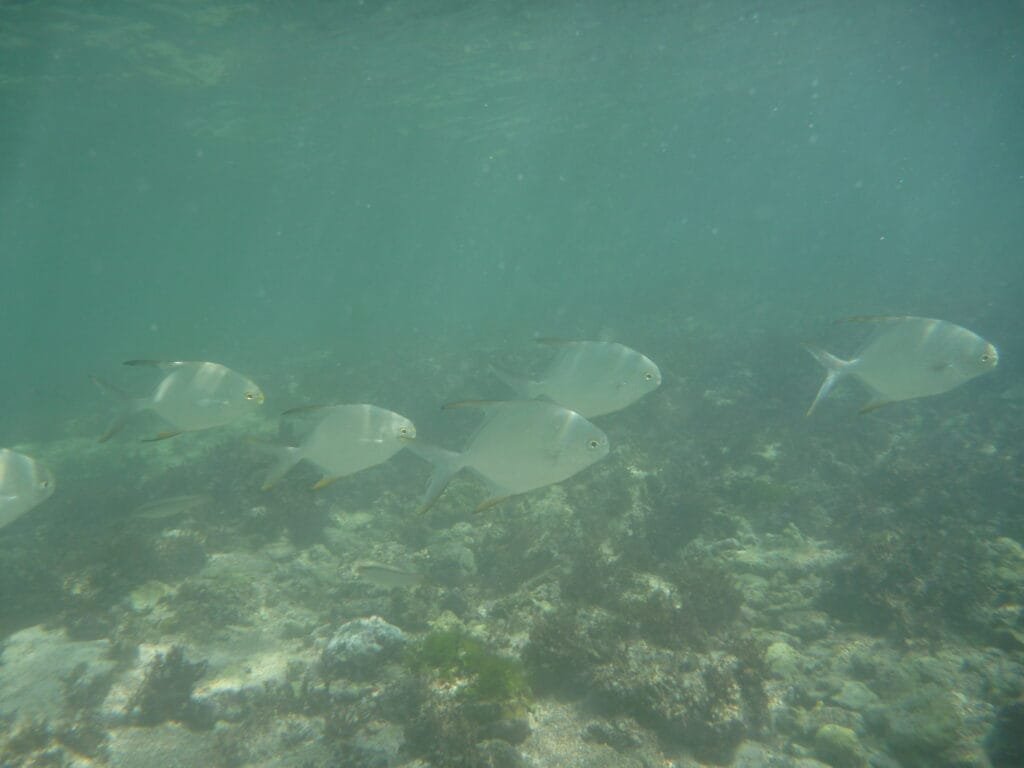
point(874, 405)
point(872, 319)
point(490, 503)
point(162, 436)
point(554, 341)
point(324, 481)
point(154, 363)
point(143, 363)
point(303, 409)
point(470, 404)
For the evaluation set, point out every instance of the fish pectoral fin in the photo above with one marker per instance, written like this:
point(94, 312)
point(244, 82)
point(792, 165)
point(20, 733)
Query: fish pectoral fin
point(154, 363)
point(324, 481)
point(162, 436)
point(491, 502)
point(874, 405)
point(942, 365)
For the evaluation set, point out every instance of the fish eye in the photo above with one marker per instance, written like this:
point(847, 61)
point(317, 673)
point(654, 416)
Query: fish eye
point(594, 443)
point(986, 357)
point(648, 376)
point(403, 431)
point(250, 395)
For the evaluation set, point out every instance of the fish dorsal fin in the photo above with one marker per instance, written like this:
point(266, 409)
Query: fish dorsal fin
point(874, 319)
point(300, 409)
point(874, 405)
point(554, 341)
point(154, 363)
point(491, 502)
point(162, 436)
point(324, 481)
point(472, 404)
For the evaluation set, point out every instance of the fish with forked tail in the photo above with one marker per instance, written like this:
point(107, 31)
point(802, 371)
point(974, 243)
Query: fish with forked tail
point(191, 396)
point(908, 357)
point(521, 445)
point(590, 377)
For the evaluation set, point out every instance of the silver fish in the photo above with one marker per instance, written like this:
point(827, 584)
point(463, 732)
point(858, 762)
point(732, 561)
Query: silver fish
point(590, 377)
point(521, 445)
point(387, 576)
point(344, 440)
point(169, 506)
point(909, 357)
point(24, 484)
point(192, 396)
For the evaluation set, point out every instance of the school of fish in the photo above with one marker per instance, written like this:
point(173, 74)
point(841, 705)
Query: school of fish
point(543, 438)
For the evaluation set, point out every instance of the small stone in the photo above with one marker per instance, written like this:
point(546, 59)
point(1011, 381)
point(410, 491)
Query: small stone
point(839, 747)
point(782, 660)
point(360, 647)
point(856, 696)
point(144, 598)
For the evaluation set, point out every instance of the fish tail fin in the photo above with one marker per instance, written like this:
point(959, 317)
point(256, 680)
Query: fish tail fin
point(520, 384)
point(287, 457)
point(129, 403)
point(446, 466)
point(835, 369)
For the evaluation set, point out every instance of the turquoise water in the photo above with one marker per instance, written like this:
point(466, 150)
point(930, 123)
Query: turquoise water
point(374, 201)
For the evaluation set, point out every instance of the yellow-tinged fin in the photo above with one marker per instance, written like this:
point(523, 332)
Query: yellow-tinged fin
point(163, 436)
point(489, 503)
point(304, 409)
point(874, 405)
point(324, 481)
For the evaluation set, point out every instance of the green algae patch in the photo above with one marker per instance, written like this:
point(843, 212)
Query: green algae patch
point(450, 655)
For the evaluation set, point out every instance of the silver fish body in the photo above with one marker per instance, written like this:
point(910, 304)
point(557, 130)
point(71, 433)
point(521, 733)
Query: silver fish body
point(521, 445)
point(192, 396)
point(344, 439)
point(909, 357)
point(591, 377)
point(24, 484)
